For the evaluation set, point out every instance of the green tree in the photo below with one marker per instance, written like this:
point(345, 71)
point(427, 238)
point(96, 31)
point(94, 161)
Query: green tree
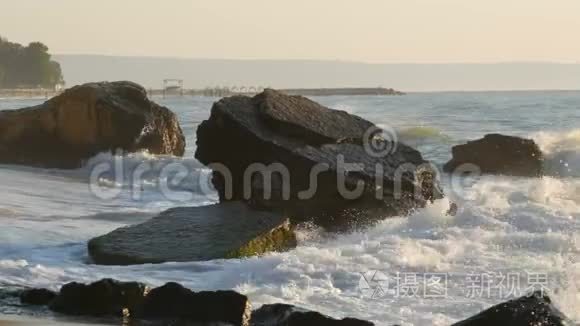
point(27, 67)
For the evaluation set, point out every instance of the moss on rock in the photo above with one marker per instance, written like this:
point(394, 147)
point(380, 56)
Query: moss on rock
point(279, 239)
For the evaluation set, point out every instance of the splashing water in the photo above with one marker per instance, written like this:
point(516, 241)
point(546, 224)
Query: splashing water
point(503, 225)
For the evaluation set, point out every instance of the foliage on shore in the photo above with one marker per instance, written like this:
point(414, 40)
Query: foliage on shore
point(27, 66)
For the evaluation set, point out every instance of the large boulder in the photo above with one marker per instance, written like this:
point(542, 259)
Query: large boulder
point(288, 315)
point(534, 309)
point(174, 302)
point(227, 230)
point(106, 297)
point(499, 154)
point(85, 120)
point(37, 296)
point(264, 149)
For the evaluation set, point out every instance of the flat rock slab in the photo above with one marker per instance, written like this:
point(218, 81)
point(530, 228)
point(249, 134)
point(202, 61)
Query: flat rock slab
point(227, 230)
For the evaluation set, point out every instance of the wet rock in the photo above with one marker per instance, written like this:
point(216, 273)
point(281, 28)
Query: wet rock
point(226, 230)
point(106, 297)
point(72, 127)
point(453, 208)
point(270, 144)
point(174, 302)
point(288, 315)
point(40, 297)
point(535, 309)
point(499, 154)
point(298, 117)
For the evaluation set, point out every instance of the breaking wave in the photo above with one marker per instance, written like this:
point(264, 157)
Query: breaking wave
point(424, 133)
point(562, 152)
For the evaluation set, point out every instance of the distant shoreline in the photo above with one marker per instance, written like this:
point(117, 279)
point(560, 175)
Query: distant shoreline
point(219, 92)
point(43, 93)
point(341, 91)
point(225, 91)
point(28, 93)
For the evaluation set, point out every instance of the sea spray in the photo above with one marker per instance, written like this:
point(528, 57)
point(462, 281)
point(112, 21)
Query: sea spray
point(562, 152)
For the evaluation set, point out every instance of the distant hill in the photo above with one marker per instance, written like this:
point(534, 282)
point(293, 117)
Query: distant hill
point(201, 73)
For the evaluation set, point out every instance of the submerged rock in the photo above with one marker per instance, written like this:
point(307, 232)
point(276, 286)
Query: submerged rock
point(227, 230)
point(173, 301)
point(270, 149)
point(37, 296)
point(288, 315)
point(535, 309)
point(106, 297)
point(72, 127)
point(499, 154)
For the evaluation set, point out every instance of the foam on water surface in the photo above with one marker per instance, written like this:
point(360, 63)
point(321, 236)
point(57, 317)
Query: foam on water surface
point(324, 272)
point(504, 225)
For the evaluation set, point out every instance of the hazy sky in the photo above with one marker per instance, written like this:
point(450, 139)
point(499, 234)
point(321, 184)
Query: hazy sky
point(362, 30)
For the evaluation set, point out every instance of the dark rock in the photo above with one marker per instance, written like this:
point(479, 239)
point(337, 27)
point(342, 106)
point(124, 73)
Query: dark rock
point(288, 315)
point(312, 122)
point(72, 127)
point(499, 154)
point(295, 134)
point(38, 297)
point(535, 309)
point(173, 304)
point(453, 208)
point(226, 230)
point(103, 298)
point(173, 301)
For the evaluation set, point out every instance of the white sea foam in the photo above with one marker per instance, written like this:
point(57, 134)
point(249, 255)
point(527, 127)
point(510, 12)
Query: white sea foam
point(562, 150)
point(323, 273)
point(503, 224)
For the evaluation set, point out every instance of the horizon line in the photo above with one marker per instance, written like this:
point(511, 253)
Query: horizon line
point(555, 62)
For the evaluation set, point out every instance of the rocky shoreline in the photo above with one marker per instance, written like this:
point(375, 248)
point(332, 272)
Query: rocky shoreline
point(281, 139)
point(172, 304)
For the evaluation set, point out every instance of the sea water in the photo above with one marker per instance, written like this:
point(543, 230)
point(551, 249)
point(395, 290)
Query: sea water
point(510, 235)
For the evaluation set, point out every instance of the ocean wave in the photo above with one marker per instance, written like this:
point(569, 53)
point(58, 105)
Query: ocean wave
point(145, 171)
point(424, 132)
point(432, 142)
point(562, 152)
